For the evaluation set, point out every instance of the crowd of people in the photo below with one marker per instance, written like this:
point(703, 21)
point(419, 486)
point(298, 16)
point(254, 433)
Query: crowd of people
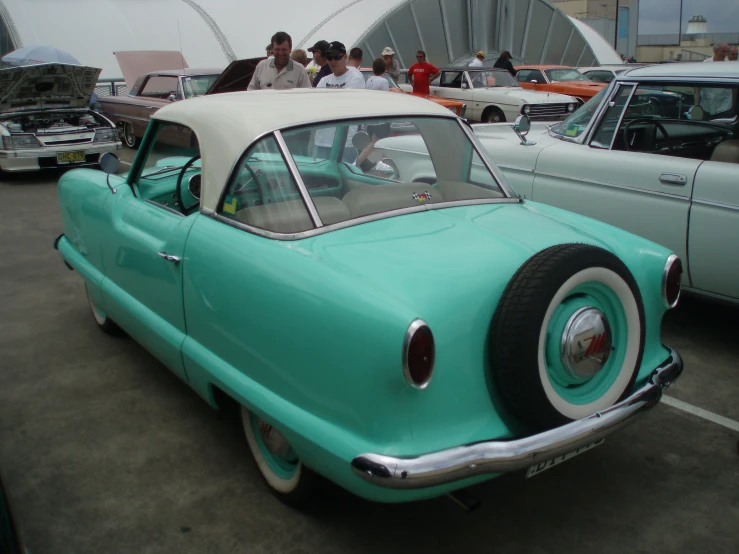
point(722, 52)
point(333, 67)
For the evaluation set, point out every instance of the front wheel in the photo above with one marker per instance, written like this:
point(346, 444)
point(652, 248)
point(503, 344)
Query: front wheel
point(282, 470)
point(568, 335)
point(493, 115)
point(129, 136)
point(104, 323)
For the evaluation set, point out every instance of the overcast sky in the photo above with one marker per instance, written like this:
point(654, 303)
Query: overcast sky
point(661, 16)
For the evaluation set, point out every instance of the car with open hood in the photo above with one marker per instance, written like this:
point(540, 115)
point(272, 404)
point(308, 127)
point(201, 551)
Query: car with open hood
point(558, 78)
point(494, 96)
point(401, 338)
point(46, 121)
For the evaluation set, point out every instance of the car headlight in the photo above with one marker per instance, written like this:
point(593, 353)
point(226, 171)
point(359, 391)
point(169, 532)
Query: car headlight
point(105, 135)
point(526, 110)
point(19, 142)
point(571, 107)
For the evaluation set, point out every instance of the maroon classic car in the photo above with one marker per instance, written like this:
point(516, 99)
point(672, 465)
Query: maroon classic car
point(155, 79)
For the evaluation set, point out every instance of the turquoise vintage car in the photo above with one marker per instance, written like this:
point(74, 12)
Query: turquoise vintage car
point(403, 340)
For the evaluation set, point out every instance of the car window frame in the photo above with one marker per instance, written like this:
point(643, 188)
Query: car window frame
point(510, 196)
point(607, 103)
point(149, 78)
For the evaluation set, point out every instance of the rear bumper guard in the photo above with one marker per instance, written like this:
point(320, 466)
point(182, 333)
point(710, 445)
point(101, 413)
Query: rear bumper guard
point(471, 460)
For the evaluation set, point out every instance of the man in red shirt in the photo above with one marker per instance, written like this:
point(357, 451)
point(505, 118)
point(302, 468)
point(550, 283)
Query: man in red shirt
point(421, 73)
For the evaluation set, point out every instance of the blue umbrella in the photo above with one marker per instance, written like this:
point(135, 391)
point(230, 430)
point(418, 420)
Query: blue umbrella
point(31, 55)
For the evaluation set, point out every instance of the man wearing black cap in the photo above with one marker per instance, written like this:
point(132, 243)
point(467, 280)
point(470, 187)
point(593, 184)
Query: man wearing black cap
point(318, 50)
point(341, 76)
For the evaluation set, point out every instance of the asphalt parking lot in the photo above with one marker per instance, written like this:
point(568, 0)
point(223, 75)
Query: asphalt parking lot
point(104, 450)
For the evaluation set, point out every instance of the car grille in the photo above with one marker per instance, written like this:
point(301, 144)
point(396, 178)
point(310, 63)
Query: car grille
point(51, 142)
point(548, 110)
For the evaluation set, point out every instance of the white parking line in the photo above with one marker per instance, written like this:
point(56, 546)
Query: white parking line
point(700, 412)
point(125, 163)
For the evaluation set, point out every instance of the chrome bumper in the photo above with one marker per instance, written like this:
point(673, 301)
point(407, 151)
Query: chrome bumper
point(471, 460)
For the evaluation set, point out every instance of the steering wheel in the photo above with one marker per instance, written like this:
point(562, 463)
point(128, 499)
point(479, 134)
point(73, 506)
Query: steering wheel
point(654, 122)
point(178, 187)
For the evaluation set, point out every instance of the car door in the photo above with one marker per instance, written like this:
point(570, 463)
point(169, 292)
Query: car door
point(644, 192)
point(713, 244)
point(144, 255)
point(526, 76)
point(450, 86)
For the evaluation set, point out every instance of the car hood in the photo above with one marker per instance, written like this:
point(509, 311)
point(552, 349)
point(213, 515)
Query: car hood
point(530, 96)
point(453, 256)
point(46, 86)
point(236, 77)
point(134, 63)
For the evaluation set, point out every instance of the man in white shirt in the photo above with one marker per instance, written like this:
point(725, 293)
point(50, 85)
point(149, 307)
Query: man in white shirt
point(279, 72)
point(477, 62)
point(720, 50)
point(340, 78)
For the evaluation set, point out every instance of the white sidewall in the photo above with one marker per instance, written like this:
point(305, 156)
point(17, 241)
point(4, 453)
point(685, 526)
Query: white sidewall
point(281, 485)
point(622, 290)
point(100, 319)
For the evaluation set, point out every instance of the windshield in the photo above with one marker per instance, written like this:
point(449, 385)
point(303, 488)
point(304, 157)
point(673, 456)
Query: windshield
point(485, 79)
point(197, 85)
point(565, 74)
point(358, 168)
point(576, 124)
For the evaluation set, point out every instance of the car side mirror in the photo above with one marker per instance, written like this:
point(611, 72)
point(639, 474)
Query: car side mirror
point(696, 113)
point(464, 86)
point(521, 127)
point(108, 163)
point(360, 140)
point(172, 97)
point(534, 82)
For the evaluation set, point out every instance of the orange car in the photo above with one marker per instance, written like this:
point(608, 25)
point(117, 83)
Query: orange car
point(456, 106)
point(558, 78)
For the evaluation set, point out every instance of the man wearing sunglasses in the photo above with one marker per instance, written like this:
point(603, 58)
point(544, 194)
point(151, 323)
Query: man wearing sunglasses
point(421, 74)
point(341, 76)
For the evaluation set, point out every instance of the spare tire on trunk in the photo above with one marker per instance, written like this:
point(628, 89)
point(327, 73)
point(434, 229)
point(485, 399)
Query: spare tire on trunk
point(568, 335)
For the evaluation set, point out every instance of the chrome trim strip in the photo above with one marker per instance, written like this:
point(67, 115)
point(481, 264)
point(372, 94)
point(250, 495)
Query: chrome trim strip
point(307, 200)
point(715, 204)
point(623, 111)
point(497, 456)
point(516, 168)
point(671, 259)
point(613, 185)
point(409, 334)
point(485, 157)
point(352, 222)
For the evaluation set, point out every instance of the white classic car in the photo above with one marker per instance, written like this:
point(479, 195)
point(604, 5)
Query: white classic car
point(605, 73)
point(655, 153)
point(494, 96)
point(45, 119)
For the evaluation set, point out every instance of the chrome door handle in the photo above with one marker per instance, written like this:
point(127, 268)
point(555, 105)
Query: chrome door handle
point(673, 179)
point(169, 257)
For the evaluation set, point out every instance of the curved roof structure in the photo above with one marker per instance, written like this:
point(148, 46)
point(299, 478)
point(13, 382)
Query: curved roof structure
point(214, 32)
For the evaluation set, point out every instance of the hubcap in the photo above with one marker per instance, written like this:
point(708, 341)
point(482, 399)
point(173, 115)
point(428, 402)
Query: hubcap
point(273, 440)
point(130, 137)
point(586, 343)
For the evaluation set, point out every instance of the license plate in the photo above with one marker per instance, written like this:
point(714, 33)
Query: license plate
point(70, 157)
point(536, 469)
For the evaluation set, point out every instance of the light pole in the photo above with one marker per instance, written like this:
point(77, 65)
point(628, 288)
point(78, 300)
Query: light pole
point(615, 38)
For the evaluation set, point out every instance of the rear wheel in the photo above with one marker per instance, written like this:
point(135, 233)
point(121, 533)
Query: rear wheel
point(129, 136)
point(282, 470)
point(104, 323)
point(568, 335)
point(493, 115)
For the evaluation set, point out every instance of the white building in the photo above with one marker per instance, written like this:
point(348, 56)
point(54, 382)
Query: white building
point(213, 32)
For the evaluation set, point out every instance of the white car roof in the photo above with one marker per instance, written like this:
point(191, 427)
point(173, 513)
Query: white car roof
point(226, 124)
point(700, 70)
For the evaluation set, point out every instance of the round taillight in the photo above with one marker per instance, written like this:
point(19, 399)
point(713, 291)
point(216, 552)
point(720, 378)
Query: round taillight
point(419, 354)
point(671, 277)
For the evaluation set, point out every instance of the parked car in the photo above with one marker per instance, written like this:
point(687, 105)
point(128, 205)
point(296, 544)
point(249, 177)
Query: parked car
point(494, 96)
point(45, 120)
point(643, 156)
point(605, 73)
point(402, 339)
point(455, 106)
point(557, 78)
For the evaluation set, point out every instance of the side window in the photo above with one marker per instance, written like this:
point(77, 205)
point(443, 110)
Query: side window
point(452, 79)
point(600, 76)
point(173, 147)
point(262, 192)
point(523, 76)
point(159, 86)
point(603, 136)
point(538, 76)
